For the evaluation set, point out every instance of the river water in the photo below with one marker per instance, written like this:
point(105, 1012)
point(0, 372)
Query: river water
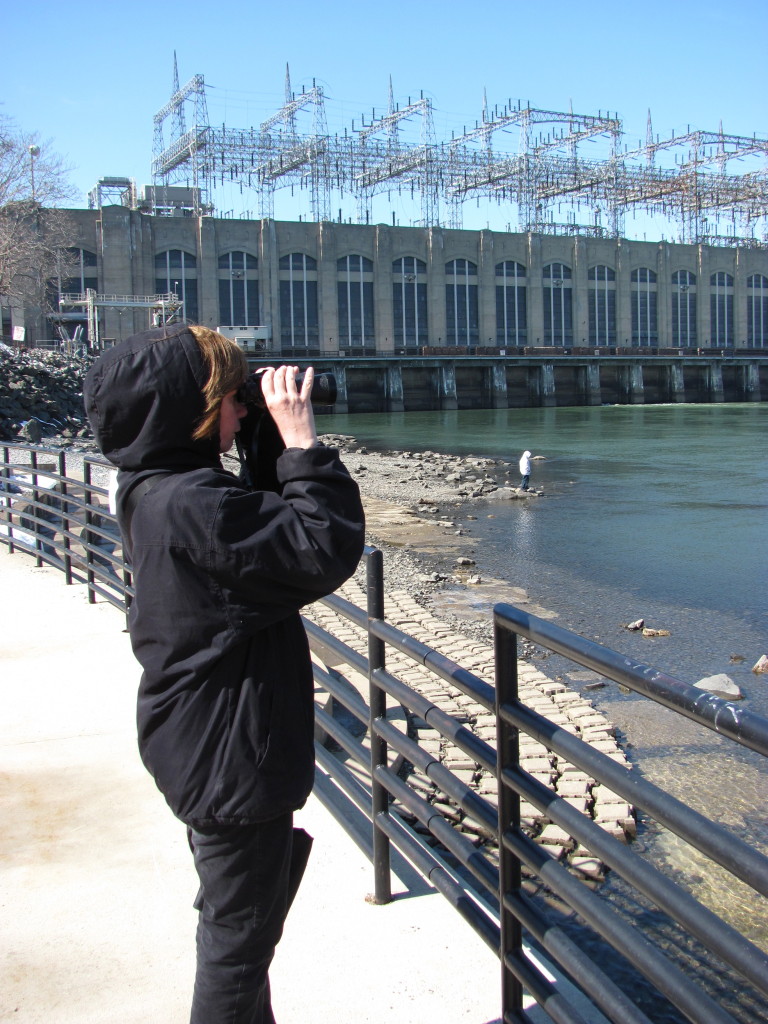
point(653, 512)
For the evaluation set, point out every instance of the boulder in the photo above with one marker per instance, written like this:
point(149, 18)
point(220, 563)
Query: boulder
point(761, 665)
point(32, 431)
point(721, 685)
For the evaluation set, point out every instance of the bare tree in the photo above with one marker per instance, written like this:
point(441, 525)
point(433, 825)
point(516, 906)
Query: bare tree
point(29, 170)
point(34, 234)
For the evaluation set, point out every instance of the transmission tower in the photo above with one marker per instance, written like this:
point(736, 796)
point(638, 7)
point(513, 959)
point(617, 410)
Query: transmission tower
point(540, 168)
point(379, 165)
point(183, 158)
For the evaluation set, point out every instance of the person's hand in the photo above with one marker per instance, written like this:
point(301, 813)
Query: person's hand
point(290, 408)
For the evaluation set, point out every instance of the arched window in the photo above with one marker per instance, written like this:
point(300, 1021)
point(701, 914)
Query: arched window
point(683, 308)
point(644, 315)
point(602, 305)
point(299, 324)
point(558, 305)
point(409, 302)
point(511, 305)
point(721, 309)
point(238, 289)
point(355, 293)
point(461, 303)
point(757, 311)
point(176, 272)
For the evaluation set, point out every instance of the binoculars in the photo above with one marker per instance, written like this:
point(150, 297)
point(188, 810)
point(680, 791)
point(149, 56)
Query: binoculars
point(323, 389)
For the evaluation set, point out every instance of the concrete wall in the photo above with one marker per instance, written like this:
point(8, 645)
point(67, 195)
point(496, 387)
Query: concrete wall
point(126, 243)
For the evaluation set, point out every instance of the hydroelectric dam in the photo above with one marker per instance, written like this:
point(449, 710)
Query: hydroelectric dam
point(527, 380)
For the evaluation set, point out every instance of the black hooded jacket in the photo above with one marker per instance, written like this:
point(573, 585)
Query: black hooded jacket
point(225, 706)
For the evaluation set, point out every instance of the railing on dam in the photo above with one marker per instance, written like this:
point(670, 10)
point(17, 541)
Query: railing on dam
point(501, 881)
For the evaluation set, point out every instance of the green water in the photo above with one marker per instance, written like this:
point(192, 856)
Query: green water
point(656, 512)
point(648, 511)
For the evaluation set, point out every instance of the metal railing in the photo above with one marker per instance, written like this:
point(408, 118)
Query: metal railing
point(497, 877)
point(64, 521)
point(717, 843)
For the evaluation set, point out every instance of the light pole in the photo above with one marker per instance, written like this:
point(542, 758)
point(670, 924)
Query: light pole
point(34, 151)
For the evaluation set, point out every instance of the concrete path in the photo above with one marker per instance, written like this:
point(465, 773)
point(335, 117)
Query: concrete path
point(96, 881)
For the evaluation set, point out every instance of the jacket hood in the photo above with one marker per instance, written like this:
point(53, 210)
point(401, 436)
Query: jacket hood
point(144, 398)
point(526, 455)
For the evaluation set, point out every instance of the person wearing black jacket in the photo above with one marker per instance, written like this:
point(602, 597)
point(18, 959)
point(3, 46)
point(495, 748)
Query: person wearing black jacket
point(220, 571)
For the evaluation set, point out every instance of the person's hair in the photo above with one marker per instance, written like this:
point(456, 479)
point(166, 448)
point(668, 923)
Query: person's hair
point(227, 370)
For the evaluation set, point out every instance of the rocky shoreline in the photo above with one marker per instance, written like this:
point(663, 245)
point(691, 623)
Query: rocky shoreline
point(41, 395)
point(419, 511)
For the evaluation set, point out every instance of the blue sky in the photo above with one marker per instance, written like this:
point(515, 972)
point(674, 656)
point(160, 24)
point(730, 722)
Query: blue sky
point(89, 78)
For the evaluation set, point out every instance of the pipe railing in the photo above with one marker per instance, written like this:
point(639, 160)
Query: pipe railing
point(495, 875)
point(64, 521)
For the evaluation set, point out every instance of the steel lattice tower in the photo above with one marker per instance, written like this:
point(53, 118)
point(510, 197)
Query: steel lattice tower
point(545, 171)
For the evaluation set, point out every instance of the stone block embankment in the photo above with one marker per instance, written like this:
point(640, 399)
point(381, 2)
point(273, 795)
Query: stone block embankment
point(552, 699)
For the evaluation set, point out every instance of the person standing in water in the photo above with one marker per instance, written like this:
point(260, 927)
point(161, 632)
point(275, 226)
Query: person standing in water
point(525, 470)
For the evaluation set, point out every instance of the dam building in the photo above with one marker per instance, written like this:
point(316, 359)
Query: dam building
point(432, 317)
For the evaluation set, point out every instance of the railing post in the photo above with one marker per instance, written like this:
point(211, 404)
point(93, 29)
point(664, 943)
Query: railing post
point(36, 508)
point(510, 873)
point(378, 707)
point(65, 517)
point(6, 500)
point(87, 495)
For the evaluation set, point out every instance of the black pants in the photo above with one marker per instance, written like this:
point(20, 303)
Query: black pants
point(249, 875)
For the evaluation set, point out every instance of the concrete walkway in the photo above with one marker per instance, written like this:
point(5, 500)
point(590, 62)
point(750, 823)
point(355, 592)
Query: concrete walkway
point(96, 881)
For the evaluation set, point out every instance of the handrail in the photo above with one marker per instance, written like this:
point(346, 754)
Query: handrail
point(722, 716)
point(516, 848)
point(491, 868)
